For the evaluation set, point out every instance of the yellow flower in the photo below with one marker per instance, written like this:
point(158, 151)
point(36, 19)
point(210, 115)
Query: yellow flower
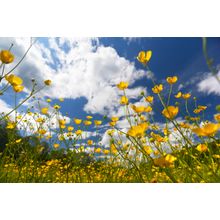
point(89, 117)
point(56, 145)
point(78, 132)
point(217, 117)
point(207, 130)
point(197, 111)
point(113, 149)
point(6, 57)
point(144, 57)
point(106, 151)
point(98, 150)
point(61, 99)
point(186, 96)
point(44, 111)
point(11, 125)
point(70, 128)
point(77, 121)
point(90, 142)
point(18, 141)
point(97, 122)
point(165, 161)
point(47, 82)
point(178, 95)
point(14, 80)
point(157, 88)
point(172, 80)
point(110, 132)
point(62, 123)
point(122, 85)
point(114, 119)
point(202, 148)
point(124, 100)
point(42, 131)
point(138, 109)
point(18, 88)
point(87, 123)
point(149, 99)
point(170, 112)
point(138, 130)
point(202, 107)
point(148, 109)
point(148, 149)
point(48, 100)
point(56, 107)
point(112, 123)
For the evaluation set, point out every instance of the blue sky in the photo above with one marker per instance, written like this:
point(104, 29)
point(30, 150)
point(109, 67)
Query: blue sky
point(85, 71)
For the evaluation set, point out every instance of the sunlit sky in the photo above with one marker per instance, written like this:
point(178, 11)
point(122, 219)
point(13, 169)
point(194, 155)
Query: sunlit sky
point(85, 71)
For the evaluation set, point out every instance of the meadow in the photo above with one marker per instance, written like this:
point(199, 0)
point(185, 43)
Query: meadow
point(42, 146)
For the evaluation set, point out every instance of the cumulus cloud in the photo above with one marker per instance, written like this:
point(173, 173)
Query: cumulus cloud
point(78, 68)
point(210, 85)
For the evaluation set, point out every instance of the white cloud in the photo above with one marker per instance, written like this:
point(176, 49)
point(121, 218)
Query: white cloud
point(210, 85)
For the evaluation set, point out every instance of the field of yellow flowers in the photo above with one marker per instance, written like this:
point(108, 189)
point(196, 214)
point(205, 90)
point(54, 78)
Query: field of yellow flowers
point(50, 149)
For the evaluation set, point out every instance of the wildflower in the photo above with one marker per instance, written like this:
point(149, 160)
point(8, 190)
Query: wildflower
point(47, 82)
point(178, 95)
point(124, 100)
point(18, 88)
point(165, 161)
point(89, 117)
point(90, 142)
point(48, 100)
point(112, 123)
point(122, 85)
point(202, 107)
point(42, 131)
point(56, 145)
point(148, 109)
point(139, 109)
point(44, 111)
point(157, 89)
point(70, 128)
point(40, 120)
point(144, 57)
point(97, 122)
point(77, 121)
point(14, 80)
point(202, 148)
point(158, 138)
point(78, 132)
point(138, 130)
point(18, 141)
point(184, 125)
point(217, 156)
point(87, 123)
point(106, 151)
point(113, 149)
point(98, 150)
point(61, 99)
point(148, 150)
point(62, 123)
point(110, 132)
point(186, 96)
point(149, 99)
point(197, 111)
point(170, 112)
point(11, 125)
point(172, 80)
point(207, 130)
point(56, 107)
point(114, 119)
point(217, 117)
point(6, 57)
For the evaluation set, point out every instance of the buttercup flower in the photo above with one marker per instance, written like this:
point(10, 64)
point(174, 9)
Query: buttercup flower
point(157, 88)
point(77, 121)
point(6, 57)
point(87, 123)
point(209, 129)
point(149, 99)
point(172, 80)
point(202, 148)
point(90, 142)
point(44, 111)
point(178, 95)
point(47, 82)
point(78, 132)
point(144, 57)
point(56, 145)
point(97, 122)
point(186, 96)
point(18, 88)
point(70, 128)
point(170, 112)
point(122, 85)
point(56, 107)
point(138, 130)
point(124, 100)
